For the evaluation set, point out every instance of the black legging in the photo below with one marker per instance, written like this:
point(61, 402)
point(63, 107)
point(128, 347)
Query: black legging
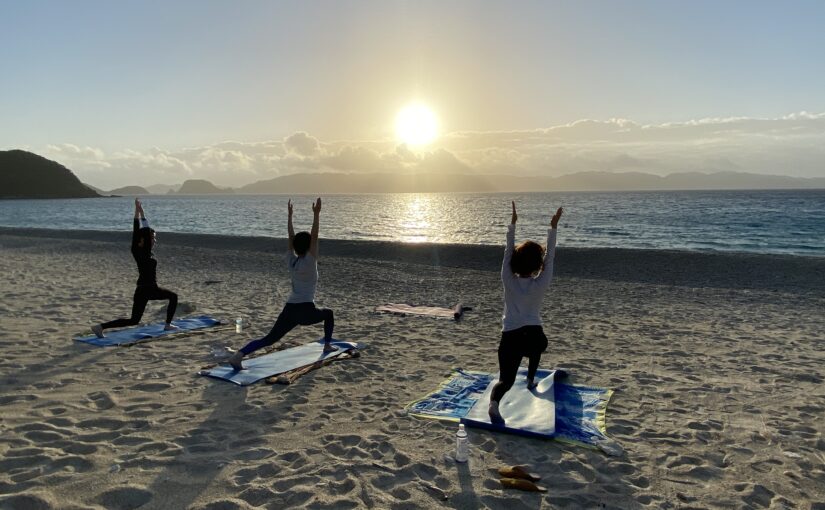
point(144, 294)
point(292, 315)
point(526, 341)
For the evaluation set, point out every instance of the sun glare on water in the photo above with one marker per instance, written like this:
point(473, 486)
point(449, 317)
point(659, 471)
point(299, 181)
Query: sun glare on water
point(416, 124)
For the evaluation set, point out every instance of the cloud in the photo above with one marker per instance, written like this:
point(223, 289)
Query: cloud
point(442, 161)
point(302, 144)
point(69, 154)
point(790, 145)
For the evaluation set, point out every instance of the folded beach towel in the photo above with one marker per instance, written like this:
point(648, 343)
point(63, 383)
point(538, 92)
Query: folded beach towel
point(146, 332)
point(579, 410)
point(277, 362)
point(455, 312)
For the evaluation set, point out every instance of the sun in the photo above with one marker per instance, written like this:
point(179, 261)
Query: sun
point(416, 124)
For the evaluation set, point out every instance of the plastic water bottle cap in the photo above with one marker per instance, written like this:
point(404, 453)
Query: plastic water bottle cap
point(461, 427)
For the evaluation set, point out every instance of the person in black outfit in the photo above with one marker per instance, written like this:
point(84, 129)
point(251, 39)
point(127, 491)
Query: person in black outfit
point(143, 240)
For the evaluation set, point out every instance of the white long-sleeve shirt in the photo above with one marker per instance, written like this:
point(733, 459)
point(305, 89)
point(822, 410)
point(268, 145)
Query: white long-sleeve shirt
point(303, 274)
point(523, 296)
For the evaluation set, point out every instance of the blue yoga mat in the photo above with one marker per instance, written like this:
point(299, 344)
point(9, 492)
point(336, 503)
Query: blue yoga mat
point(277, 362)
point(142, 333)
point(579, 410)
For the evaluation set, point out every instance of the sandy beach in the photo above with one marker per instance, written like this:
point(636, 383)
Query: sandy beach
point(717, 362)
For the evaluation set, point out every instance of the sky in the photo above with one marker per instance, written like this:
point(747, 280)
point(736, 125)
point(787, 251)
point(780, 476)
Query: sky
point(144, 92)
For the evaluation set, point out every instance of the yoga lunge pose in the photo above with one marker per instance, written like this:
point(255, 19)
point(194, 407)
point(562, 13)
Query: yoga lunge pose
point(300, 309)
point(143, 240)
point(522, 335)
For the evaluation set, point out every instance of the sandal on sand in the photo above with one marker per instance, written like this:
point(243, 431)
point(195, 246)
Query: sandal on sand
point(518, 472)
point(522, 485)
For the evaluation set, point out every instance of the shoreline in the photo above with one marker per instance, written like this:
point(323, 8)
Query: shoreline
point(738, 270)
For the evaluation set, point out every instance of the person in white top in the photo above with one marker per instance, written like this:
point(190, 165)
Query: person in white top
point(526, 273)
point(300, 309)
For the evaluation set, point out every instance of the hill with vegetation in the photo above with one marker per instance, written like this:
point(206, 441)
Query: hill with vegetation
point(26, 175)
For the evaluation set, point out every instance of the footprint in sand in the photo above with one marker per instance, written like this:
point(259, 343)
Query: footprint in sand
point(101, 400)
point(264, 472)
point(153, 387)
point(78, 448)
point(125, 498)
point(224, 504)
point(11, 399)
point(759, 497)
point(255, 454)
point(32, 501)
point(141, 410)
point(102, 423)
point(765, 466)
point(257, 496)
point(42, 436)
point(73, 463)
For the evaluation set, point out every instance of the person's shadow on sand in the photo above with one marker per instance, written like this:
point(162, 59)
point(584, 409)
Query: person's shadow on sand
point(204, 450)
point(231, 437)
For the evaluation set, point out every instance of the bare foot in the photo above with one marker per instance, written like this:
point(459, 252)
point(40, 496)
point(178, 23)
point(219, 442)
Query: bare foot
point(170, 327)
point(495, 415)
point(97, 329)
point(235, 361)
point(328, 347)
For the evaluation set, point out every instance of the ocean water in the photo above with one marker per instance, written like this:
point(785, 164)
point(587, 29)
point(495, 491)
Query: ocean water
point(780, 222)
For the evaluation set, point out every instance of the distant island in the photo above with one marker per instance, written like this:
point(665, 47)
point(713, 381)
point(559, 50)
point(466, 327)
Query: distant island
point(162, 189)
point(129, 191)
point(479, 183)
point(200, 187)
point(27, 175)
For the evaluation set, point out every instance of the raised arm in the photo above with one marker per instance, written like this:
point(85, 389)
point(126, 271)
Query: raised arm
point(316, 216)
point(290, 230)
point(550, 252)
point(506, 271)
point(137, 223)
point(140, 215)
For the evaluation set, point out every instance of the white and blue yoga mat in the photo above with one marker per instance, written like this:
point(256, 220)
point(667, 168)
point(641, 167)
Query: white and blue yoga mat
point(141, 333)
point(526, 412)
point(277, 362)
point(555, 409)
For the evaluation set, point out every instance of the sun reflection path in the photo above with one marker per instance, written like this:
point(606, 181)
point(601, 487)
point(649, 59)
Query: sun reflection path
point(416, 218)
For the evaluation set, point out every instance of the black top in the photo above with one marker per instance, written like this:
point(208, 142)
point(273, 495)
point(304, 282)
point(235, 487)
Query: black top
point(146, 263)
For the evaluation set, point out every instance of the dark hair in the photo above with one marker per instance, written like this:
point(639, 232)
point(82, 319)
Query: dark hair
point(146, 237)
point(528, 258)
point(300, 243)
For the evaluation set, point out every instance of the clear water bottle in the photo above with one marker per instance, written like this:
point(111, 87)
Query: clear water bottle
point(238, 325)
point(462, 445)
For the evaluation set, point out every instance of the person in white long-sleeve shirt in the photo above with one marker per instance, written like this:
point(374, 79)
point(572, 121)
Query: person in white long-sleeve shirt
point(526, 272)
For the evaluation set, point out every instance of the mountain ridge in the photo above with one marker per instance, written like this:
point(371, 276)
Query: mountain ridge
point(580, 181)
